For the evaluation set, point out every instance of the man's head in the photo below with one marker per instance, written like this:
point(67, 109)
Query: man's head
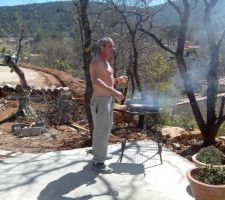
point(106, 47)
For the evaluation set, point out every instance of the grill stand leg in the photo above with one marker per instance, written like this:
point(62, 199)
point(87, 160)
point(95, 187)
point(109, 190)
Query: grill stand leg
point(159, 137)
point(153, 127)
point(141, 121)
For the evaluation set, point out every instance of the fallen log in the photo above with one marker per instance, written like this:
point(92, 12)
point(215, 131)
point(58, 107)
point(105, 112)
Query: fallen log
point(74, 125)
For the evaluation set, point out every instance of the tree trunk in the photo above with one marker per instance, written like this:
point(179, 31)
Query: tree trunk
point(135, 65)
point(24, 109)
point(212, 76)
point(210, 126)
point(86, 45)
point(19, 46)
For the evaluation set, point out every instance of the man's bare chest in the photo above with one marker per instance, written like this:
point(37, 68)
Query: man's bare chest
point(107, 70)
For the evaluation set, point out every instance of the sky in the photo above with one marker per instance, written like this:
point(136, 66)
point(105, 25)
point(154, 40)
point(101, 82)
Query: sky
point(22, 2)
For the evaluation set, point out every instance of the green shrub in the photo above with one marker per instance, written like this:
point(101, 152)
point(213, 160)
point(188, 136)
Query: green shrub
point(183, 120)
point(3, 50)
point(221, 131)
point(210, 175)
point(210, 155)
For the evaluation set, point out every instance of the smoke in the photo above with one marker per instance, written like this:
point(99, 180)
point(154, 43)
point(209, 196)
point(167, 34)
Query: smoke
point(162, 100)
point(197, 70)
point(197, 58)
point(166, 100)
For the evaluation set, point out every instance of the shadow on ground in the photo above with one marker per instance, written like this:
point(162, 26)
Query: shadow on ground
point(86, 177)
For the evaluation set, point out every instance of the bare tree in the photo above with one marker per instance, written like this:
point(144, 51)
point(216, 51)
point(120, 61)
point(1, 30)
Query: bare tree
point(24, 109)
point(209, 126)
point(22, 24)
point(53, 55)
point(132, 22)
point(85, 38)
point(132, 14)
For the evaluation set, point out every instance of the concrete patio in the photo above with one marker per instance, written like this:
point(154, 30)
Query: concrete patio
point(67, 175)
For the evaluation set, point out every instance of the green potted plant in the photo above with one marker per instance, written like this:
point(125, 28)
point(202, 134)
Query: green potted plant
point(209, 156)
point(207, 183)
point(207, 180)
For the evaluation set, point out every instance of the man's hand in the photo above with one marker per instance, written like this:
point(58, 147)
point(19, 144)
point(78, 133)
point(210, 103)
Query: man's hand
point(118, 96)
point(122, 80)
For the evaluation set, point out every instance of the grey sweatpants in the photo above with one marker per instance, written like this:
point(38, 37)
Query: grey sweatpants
point(102, 115)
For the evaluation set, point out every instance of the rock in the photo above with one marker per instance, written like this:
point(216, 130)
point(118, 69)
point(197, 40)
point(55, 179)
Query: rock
point(118, 116)
point(185, 135)
point(195, 133)
point(176, 146)
point(221, 138)
point(8, 87)
point(119, 107)
point(65, 128)
point(193, 142)
point(82, 133)
point(220, 143)
point(173, 132)
point(15, 128)
point(34, 131)
point(50, 136)
point(37, 99)
point(38, 124)
point(12, 96)
point(70, 129)
point(5, 93)
point(128, 118)
point(3, 101)
point(62, 127)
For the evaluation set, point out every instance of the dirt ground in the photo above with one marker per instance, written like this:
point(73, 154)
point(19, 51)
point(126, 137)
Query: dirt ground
point(34, 78)
point(56, 138)
point(65, 137)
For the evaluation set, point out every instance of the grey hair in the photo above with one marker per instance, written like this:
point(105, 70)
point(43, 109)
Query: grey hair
point(103, 42)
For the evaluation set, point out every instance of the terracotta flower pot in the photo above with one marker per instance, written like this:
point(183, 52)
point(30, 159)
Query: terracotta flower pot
point(201, 164)
point(202, 191)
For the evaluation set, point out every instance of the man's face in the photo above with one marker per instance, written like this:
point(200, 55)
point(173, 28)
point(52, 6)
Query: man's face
point(108, 49)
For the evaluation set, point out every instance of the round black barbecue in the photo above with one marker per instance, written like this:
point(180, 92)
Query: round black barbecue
point(142, 108)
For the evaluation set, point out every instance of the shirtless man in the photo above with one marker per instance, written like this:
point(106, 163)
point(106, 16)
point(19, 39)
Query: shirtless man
point(103, 83)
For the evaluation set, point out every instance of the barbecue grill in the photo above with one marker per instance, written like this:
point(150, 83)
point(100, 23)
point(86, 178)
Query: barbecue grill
point(143, 109)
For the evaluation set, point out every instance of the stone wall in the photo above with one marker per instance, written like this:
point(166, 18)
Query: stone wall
point(13, 91)
point(185, 105)
point(75, 85)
